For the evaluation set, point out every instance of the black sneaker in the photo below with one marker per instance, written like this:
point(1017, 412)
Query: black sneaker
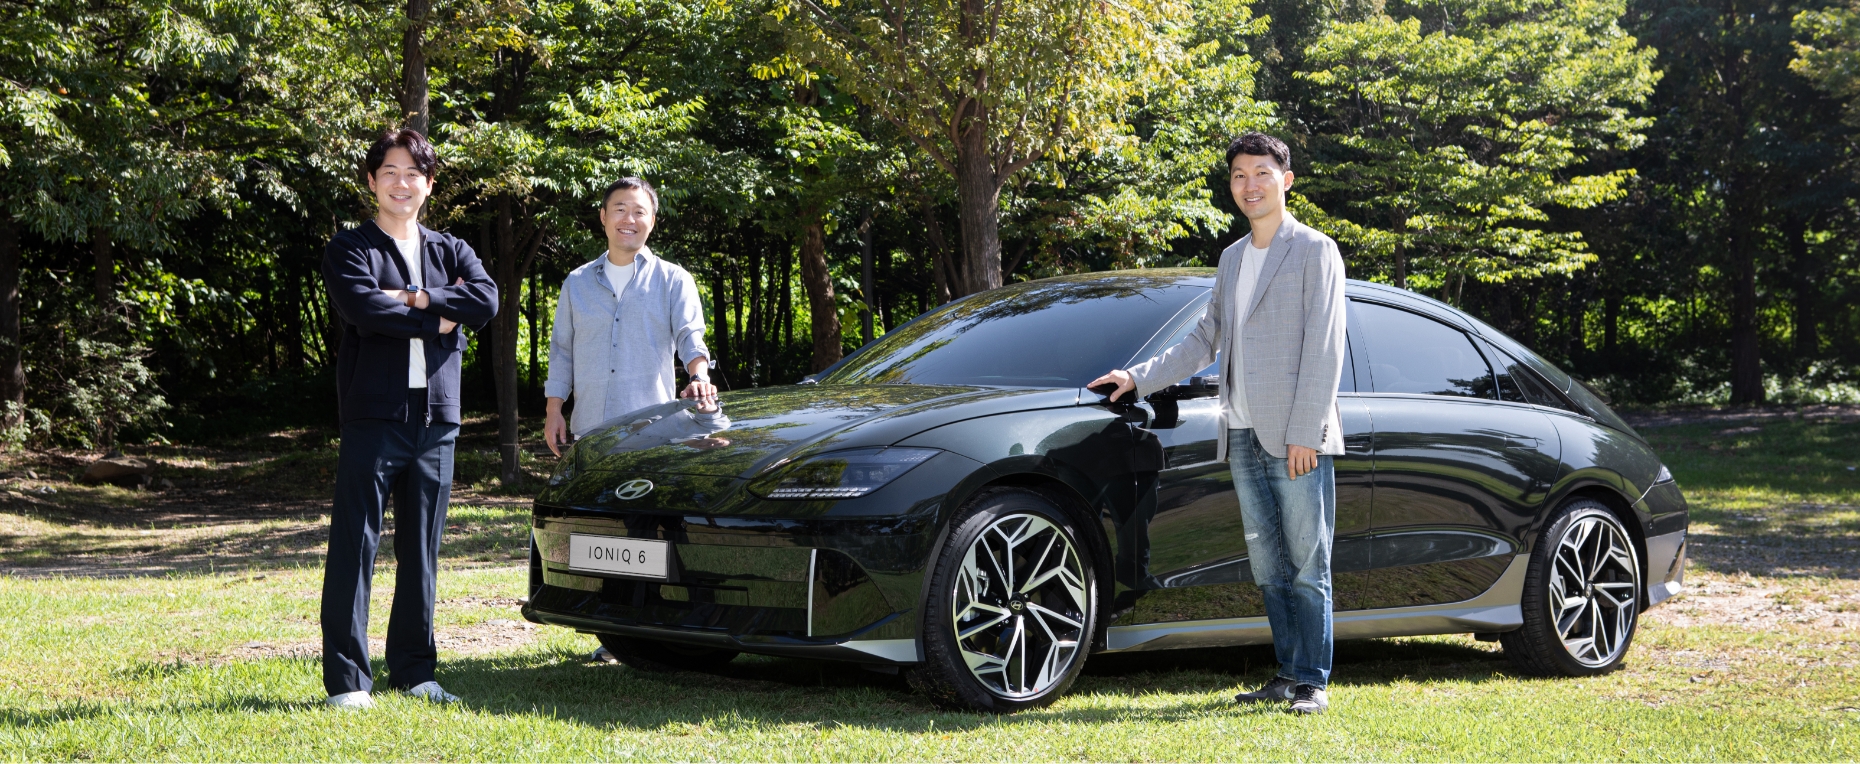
point(1308, 699)
point(1279, 689)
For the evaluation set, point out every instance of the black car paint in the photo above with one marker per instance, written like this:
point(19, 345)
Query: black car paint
point(739, 576)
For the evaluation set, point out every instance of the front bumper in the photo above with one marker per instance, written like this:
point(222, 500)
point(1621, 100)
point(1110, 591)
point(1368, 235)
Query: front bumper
point(829, 588)
point(1666, 529)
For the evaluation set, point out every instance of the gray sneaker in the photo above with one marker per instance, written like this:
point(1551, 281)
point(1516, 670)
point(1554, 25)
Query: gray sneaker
point(1308, 699)
point(1277, 690)
point(352, 701)
point(432, 693)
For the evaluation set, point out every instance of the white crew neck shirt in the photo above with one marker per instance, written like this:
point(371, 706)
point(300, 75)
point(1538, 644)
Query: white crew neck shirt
point(416, 347)
point(1251, 259)
point(618, 276)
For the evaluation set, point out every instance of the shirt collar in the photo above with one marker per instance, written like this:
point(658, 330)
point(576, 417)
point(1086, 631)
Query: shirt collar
point(645, 253)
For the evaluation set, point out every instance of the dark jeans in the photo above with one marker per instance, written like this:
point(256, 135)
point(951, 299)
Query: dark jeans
point(1290, 525)
point(412, 462)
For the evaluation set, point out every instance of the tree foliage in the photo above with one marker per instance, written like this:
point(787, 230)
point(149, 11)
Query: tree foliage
point(1448, 128)
point(1658, 194)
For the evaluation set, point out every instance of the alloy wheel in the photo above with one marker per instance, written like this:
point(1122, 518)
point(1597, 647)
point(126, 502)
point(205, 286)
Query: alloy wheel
point(1020, 601)
point(1594, 591)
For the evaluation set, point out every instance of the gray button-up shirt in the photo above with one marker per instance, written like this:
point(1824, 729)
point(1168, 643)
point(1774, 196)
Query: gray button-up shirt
point(615, 356)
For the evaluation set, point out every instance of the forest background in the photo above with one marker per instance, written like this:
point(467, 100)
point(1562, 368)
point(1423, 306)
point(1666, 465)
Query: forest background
point(1657, 195)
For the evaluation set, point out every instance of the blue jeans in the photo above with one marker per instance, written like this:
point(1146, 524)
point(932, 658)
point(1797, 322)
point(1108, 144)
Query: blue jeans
point(1290, 525)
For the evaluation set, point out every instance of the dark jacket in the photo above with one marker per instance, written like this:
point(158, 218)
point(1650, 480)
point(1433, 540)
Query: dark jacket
point(371, 365)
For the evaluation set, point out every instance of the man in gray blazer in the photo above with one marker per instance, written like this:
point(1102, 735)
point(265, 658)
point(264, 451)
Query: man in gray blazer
point(1276, 322)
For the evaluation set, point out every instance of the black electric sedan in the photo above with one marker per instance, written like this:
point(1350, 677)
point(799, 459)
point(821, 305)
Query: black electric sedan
point(951, 502)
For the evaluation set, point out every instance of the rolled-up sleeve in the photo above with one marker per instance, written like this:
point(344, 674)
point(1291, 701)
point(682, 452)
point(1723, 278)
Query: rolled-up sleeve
point(562, 347)
point(687, 316)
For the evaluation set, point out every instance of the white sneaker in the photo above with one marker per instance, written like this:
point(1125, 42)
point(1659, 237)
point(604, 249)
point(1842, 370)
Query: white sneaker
point(432, 692)
point(352, 701)
point(601, 655)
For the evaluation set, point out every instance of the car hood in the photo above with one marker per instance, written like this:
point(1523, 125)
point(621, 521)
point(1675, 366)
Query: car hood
point(756, 429)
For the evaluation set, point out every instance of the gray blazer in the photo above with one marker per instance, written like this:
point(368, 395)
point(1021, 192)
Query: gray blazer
point(616, 357)
point(1293, 340)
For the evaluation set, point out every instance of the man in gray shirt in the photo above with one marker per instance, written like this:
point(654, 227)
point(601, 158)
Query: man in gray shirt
point(1276, 321)
point(618, 323)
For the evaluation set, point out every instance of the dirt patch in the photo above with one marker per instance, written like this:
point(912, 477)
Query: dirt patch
point(1762, 604)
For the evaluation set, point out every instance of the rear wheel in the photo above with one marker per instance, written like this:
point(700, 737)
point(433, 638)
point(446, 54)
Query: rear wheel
point(1581, 598)
point(653, 655)
point(1011, 609)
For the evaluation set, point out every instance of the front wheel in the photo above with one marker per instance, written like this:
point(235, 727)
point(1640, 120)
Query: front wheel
point(659, 657)
point(1581, 598)
point(1012, 605)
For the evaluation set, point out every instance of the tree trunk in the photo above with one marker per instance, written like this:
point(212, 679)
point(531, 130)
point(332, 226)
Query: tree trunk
point(866, 279)
point(1807, 334)
point(504, 356)
point(719, 322)
point(753, 335)
point(1746, 365)
point(1577, 310)
point(534, 381)
point(12, 355)
point(940, 256)
point(978, 202)
point(1611, 323)
point(820, 300)
point(413, 82)
point(1401, 264)
point(104, 280)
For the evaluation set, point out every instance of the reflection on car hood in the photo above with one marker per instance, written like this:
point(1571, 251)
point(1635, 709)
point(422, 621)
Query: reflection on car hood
point(757, 428)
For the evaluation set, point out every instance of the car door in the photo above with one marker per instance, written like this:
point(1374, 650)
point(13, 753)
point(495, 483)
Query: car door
point(1197, 565)
point(1457, 471)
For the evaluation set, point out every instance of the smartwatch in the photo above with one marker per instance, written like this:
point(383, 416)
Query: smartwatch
point(704, 378)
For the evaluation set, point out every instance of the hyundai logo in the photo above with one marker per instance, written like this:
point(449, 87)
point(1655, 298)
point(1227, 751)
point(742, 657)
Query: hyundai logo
point(633, 489)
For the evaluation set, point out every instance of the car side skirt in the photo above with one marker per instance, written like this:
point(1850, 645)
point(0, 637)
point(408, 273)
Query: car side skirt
point(1492, 611)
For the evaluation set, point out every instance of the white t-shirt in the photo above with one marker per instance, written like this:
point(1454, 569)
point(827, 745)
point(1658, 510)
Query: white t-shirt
point(618, 276)
point(416, 347)
point(1238, 417)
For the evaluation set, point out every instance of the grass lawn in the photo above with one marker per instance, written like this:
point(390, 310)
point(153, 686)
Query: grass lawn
point(182, 625)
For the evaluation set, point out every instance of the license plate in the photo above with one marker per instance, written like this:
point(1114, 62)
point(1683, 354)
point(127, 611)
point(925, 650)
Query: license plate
point(611, 554)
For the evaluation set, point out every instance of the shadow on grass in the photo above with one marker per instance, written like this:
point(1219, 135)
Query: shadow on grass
point(762, 691)
point(474, 534)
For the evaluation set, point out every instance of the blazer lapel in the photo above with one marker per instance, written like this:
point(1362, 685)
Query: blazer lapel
point(386, 246)
point(1275, 256)
point(429, 263)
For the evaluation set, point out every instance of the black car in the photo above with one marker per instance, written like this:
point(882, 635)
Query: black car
point(950, 501)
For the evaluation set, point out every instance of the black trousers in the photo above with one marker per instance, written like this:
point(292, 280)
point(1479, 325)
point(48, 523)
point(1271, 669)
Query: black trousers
point(411, 462)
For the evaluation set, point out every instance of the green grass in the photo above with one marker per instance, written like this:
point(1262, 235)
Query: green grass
point(206, 665)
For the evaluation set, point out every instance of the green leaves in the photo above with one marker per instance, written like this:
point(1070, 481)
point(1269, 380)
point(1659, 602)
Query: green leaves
point(1831, 56)
point(1449, 129)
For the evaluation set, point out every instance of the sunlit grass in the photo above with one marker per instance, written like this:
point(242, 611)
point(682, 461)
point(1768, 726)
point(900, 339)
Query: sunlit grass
point(199, 665)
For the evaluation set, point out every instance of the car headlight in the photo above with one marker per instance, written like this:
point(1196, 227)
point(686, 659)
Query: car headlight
point(840, 474)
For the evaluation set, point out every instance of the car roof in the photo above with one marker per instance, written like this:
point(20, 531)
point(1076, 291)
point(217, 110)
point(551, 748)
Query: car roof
point(1362, 290)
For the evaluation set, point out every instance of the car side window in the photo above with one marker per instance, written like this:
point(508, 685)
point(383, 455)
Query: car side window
point(1410, 353)
point(1519, 384)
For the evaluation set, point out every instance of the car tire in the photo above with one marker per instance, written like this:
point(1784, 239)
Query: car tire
point(1582, 595)
point(1011, 609)
point(664, 657)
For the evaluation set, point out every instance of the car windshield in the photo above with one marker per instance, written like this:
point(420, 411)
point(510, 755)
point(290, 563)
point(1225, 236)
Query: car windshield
point(1061, 332)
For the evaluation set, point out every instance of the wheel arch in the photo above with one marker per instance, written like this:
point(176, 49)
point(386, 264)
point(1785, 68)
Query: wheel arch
point(1623, 509)
point(1064, 495)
